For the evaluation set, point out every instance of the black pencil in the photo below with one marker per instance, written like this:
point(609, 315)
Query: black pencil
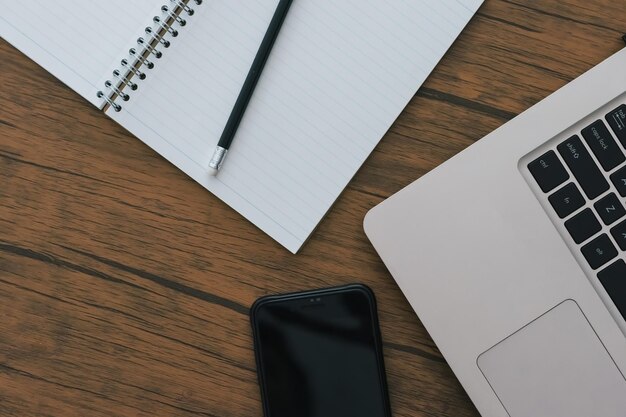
point(248, 86)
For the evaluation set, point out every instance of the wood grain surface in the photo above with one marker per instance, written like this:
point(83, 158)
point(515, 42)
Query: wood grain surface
point(125, 286)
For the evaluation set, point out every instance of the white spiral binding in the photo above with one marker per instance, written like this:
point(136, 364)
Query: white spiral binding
point(147, 50)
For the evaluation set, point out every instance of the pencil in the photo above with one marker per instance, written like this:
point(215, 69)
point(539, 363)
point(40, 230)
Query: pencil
point(248, 87)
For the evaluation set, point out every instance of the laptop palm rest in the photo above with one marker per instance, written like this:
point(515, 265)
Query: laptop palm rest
point(556, 366)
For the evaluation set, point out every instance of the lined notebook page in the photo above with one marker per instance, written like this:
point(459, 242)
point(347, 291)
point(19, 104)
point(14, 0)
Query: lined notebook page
point(77, 41)
point(339, 75)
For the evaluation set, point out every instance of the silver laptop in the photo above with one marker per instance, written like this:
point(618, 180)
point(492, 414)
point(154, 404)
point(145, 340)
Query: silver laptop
point(512, 254)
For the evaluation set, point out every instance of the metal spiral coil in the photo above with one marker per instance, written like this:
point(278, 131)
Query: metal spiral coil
point(150, 45)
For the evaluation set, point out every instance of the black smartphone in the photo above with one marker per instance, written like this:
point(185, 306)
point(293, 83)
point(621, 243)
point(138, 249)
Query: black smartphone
point(319, 354)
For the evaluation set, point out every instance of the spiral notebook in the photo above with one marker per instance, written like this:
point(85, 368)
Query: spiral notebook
point(170, 71)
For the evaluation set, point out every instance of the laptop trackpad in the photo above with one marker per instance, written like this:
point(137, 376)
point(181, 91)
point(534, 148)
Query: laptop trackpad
point(556, 366)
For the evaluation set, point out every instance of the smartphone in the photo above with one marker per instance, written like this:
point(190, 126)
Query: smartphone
point(319, 354)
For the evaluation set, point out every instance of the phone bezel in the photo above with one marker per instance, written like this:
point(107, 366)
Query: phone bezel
point(315, 294)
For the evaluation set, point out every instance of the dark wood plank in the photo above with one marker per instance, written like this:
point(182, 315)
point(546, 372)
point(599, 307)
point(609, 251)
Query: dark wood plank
point(121, 293)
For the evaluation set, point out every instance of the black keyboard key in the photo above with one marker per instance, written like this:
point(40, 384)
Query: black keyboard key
point(567, 200)
point(599, 251)
point(583, 225)
point(613, 280)
point(548, 171)
point(617, 121)
point(583, 167)
point(619, 234)
point(610, 209)
point(619, 180)
point(603, 145)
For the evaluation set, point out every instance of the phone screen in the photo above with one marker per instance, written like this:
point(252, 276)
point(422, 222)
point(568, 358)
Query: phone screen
point(319, 356)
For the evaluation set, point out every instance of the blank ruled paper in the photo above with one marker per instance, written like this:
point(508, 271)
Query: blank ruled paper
point(78, 41)
point(339, 75)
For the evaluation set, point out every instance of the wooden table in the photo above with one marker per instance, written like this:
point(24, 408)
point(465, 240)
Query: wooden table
point(125, 287)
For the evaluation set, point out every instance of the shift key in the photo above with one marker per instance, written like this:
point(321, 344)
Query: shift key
point(583, 167)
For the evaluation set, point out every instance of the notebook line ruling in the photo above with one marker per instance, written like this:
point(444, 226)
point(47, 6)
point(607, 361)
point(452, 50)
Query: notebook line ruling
point(186, 78)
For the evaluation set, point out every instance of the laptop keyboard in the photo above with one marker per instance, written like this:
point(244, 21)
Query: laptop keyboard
point(584, 180)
